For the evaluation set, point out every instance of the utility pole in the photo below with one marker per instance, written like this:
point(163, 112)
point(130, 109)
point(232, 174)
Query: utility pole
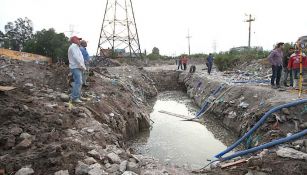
point(249, 20)
point(189, 37)
point(214, 45)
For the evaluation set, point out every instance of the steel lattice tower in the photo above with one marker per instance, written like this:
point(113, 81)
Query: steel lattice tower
point(118, 30)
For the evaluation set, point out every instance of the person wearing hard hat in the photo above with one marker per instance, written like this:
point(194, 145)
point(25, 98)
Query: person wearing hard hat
point(77, 66)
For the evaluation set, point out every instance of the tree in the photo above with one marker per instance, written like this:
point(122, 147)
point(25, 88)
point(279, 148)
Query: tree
point(1, 38)
point(17, 33)
point(155, 51)
point(48, 43)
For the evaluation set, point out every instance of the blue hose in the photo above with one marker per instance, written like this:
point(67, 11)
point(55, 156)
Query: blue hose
point(259, 123)
point(206, 104)
point(253, 81)
point(267, 145)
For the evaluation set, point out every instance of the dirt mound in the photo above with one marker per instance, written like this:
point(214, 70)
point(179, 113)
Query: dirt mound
point(41, 130)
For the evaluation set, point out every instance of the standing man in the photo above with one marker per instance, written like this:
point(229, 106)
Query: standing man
point(180, 63)
point(275, 59)
point(77, 66)
point(86, 58)
point(209, 63)
point(185, 62)
point(286, 59)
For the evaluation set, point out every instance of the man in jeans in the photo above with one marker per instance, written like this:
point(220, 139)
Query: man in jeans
point(76, 65)
point(287, 71)
point(275, 59)
point(86, 57)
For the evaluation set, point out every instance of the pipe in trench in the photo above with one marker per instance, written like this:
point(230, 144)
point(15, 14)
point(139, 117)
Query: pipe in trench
point(267, 145)
point(206, 104)
point(259, 123)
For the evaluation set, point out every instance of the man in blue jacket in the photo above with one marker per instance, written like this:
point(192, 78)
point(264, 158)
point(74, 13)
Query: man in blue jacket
point(86, 58)
point(209, 63)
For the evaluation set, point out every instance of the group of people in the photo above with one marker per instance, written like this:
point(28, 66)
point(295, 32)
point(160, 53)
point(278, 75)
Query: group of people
point(79, 64)
point(289, 62)
point(183, 61)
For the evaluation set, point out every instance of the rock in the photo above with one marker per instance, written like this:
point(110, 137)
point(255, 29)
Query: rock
point(71, 132)
point(25, 107)
point(285, 111)
point(16, 131)
point(49, 91)
point(291, 153)
point(90, 130)
point(303, 125)
point(26, 143)
point(95, 154)
point(62, 172)
point(25, 135)
point(10, 142)
point(131, 166)
point(24, 171)
point(129, 173)
point(114, 157)
point(107, 165)
point(82, 168)
point(113, 168)
point(232, 114)
point(243, 105)
point(96, 171)
point(64, 97)
point(29, 85)
point(298, 142)
point(90, 161)
point(123, 166)
point(250, 172)
point(96, 165)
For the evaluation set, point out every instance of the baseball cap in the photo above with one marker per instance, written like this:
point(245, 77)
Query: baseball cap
point(75, 37)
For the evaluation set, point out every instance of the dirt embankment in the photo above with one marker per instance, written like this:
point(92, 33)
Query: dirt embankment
point(41, 132)
point(238, 108)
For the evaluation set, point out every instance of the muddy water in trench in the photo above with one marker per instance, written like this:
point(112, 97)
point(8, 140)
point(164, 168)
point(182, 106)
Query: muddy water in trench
point(172, 140)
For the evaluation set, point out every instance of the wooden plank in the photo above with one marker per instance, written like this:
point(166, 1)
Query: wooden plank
point(6, 88)
point(233, 163)
point(175, 115)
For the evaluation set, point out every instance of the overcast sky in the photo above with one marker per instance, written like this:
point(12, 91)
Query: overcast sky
point(165, 23)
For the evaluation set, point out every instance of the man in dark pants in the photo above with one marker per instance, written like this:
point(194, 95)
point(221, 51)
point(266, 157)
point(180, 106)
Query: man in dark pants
point(287, 72)
point(275, 59)
point(209, 63)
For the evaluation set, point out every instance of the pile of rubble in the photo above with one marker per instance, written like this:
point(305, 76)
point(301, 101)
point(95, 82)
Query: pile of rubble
point(41, 132)
point(238, 108)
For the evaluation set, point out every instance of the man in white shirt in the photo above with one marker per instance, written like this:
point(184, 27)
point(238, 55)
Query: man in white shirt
point(77, 66)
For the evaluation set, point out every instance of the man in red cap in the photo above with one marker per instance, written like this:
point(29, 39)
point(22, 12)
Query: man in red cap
point(77, 66)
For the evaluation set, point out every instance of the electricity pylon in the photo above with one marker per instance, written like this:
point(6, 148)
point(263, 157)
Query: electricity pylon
point(118, 30)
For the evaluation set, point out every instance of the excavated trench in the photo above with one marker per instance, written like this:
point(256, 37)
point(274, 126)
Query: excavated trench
point(173, 140)
point(230, 111)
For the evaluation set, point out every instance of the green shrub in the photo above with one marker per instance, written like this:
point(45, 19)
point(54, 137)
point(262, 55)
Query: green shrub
point(230, 59)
